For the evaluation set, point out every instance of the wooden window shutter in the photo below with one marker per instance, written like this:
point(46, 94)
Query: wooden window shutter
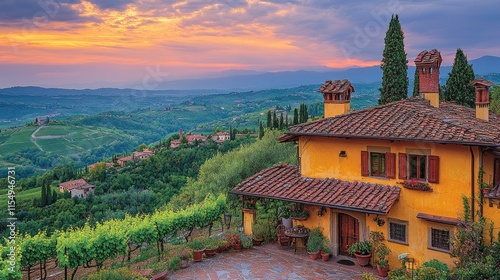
point(433, 169)
point(364, 164)
point(390, 165)
point(402, 166)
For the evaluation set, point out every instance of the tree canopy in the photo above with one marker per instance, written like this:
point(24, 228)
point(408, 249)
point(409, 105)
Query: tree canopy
point(394, 65)
point(458, 87)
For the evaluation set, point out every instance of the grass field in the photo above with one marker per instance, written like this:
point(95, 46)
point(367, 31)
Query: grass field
point(22, 197)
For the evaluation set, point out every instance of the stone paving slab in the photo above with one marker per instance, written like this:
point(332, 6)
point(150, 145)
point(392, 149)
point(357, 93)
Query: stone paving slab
point(269, 261)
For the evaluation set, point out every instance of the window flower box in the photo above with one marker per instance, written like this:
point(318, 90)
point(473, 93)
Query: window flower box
point(416, 185)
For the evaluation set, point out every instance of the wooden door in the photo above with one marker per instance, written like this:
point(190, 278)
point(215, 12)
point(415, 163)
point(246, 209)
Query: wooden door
point(348, 232)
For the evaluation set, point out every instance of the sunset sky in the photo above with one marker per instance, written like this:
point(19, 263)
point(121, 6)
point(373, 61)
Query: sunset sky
point(95, 43)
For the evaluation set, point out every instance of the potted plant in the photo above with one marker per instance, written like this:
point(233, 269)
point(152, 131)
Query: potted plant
point(381, 253)
point(222, 246)
point(198, 249)
point(315, 242)
point(298, 213)
point(325, 253)
point(185, 255)
point(234, 240)
point(211, 244)
point(362, 251)
point(285, 213)
point(259, 231)
point(246, 241)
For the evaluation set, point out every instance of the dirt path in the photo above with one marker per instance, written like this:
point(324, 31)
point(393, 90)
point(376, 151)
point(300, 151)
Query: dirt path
point(33, 137)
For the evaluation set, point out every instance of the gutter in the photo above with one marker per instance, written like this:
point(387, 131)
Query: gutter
point(472, 183)
point(481, 196)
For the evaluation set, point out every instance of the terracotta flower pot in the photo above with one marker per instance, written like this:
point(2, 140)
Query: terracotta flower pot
point(325, 256)
point(198, 255)
point(210, 252)
point(257, 241)
point(237, 247)
point(363, 260)
point(382, 271)
point(313, 255)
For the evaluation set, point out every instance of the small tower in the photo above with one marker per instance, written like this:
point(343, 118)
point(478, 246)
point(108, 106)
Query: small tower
point(428, 63)
point(482, 98)
point(337, 97)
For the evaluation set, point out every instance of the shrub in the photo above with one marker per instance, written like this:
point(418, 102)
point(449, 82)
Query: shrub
point(368, 276)
point(439, 266)
point(246, 241)
point(116, 274)
point(315, 240)
point(260, 229)
point(427, 273)
point(174, 264)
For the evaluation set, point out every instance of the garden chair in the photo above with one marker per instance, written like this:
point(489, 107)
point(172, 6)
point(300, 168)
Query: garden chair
point(283, 240)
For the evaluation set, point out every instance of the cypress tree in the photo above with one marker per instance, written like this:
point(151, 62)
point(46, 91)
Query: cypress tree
point(282, 121)
point(43, 198)
point(303, 114)
point(394, 65)
point(458, 87)
point(276, 125)
point(286, 121)
point(54, 197)
point(261, 130)
point(495, 99)
point(416, 84)
point(269, 120)
point(295, 116)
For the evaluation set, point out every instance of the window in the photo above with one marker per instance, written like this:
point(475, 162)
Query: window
point(439, 239)
point(377, 164)
point(398, 231)
point(420, 167)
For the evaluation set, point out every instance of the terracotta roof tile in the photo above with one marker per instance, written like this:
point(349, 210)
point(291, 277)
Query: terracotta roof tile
point(412, 119)
point(284, 182)
point(431, 57)
point(336, 86)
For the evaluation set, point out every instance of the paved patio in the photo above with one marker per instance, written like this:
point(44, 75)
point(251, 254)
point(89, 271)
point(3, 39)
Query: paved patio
point(269, 261)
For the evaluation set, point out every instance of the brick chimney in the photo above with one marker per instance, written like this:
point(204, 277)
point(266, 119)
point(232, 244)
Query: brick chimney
point(482, 98)
point(428, 63)
point(337, 97)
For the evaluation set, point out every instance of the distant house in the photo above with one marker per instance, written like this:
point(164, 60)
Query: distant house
point(108, 165)
point(191, 138)
point(124, 160)
point(79, 188)
point(221, 137)
point(146, 153)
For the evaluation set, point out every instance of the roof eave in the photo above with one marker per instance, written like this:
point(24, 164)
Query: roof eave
point(292, 136)
point(315, 203)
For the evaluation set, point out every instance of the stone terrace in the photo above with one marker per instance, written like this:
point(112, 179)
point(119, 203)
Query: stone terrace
point(269, 261)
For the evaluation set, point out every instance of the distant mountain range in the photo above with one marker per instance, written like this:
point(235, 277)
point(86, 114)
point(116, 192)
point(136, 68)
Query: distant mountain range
point(240, 80)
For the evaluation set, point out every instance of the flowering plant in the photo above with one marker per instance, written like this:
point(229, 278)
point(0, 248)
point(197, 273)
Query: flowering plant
point(416, 185)
point(403, 258)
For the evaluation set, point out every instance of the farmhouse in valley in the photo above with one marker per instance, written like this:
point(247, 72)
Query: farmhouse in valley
point(78, 188)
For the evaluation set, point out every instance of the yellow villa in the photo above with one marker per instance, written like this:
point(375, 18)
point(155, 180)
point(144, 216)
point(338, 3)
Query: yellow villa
point(400, 168)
